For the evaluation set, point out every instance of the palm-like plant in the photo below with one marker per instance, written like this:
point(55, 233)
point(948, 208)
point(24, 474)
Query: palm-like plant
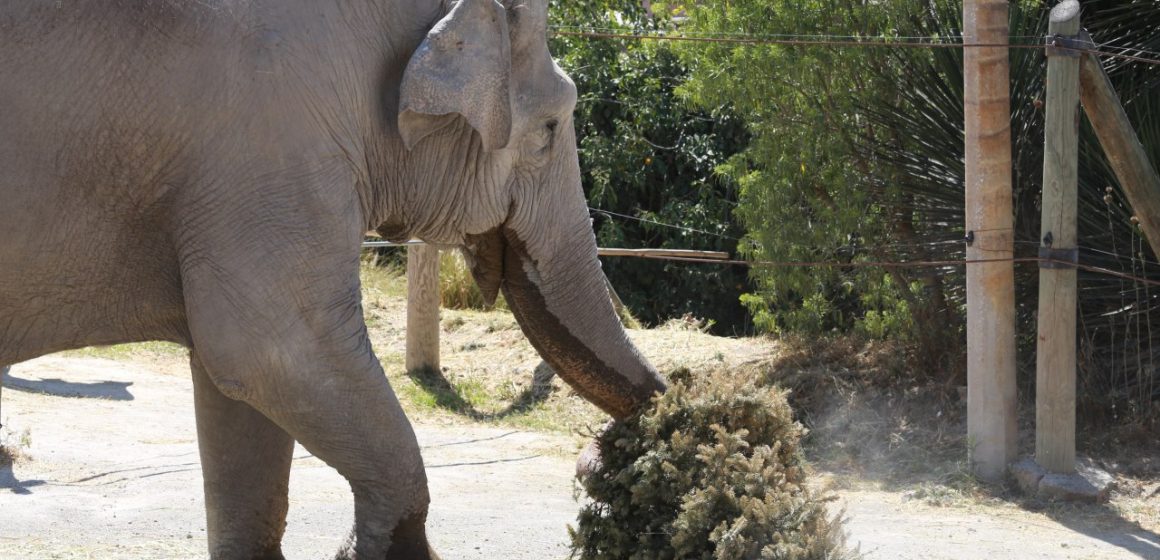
point(917, 139)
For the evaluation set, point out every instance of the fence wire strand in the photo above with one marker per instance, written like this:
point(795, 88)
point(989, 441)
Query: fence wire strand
point(860, 42)
point(661, 224)
point(948, 263)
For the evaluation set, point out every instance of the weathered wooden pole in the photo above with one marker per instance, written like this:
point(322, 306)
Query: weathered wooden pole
point(3, 373)
point(991, 428)
point(422, 308)
point(1129, 160)
point(1055, 351)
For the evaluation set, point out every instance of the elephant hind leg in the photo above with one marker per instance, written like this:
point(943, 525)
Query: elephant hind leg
point(245, 462)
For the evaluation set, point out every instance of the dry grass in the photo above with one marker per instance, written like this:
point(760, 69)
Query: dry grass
point(872, 419)
point(862, 420)
point(488, 364)
point(146, 352)
point(14, 446)
point(457, 288)
point(873, 422)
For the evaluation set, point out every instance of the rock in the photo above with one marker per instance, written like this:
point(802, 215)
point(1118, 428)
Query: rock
point(1070, 488)
point(1097, 477)
point(1088, 484)
point(1027, 474)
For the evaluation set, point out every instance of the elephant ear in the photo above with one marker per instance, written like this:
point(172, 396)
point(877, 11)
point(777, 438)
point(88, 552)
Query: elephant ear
point(462, 67)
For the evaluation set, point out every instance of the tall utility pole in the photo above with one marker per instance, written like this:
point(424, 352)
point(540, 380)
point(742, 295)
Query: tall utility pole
point(991, 427)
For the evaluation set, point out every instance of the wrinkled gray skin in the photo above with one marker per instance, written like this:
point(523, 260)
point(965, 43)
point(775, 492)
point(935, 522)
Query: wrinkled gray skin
point(203, 172)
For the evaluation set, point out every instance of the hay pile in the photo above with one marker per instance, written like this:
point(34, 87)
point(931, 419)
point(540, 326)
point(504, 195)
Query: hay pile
point(712, 470)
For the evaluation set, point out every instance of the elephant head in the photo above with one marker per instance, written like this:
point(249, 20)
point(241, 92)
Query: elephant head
point(488, 113)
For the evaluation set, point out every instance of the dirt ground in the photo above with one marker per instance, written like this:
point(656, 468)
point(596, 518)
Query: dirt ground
point(112, 472)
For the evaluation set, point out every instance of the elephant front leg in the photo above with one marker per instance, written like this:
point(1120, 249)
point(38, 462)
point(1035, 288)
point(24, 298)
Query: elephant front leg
point(328, 393)
point(276, 317)
point(355, 424)
point(245, 462)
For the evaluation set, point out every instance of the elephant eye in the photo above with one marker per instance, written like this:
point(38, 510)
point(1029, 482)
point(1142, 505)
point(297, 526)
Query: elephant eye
point(547, 137)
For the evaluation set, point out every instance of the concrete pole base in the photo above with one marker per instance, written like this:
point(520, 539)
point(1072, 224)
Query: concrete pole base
point(1088, 483)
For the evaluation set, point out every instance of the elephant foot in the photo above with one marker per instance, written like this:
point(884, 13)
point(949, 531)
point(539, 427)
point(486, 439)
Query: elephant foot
point(408, 542)
point(271, 554)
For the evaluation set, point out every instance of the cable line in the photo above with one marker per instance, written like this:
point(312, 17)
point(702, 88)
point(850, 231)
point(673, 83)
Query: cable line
point(873, 42)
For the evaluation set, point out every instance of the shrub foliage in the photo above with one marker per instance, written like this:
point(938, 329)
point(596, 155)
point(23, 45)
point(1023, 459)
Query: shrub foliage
point(712, 470)
point(649, 160)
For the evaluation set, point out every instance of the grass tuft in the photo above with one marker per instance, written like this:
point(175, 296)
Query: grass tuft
point(457, 288)
point(382, 285)
point(13, 446)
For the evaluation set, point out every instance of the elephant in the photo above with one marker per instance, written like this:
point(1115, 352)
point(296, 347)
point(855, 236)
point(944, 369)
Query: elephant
point(204, 172)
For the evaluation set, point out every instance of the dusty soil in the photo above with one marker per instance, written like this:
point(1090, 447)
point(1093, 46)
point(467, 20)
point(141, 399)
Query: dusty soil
point(112, 472)
point(110, 467)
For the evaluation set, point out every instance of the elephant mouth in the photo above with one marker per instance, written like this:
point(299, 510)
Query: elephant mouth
point(579, 354)
point(485, 257)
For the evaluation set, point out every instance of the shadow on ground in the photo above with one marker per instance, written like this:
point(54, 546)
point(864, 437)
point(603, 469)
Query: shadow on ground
point(110, 390)
point(1104, 523)
point(448, 397)
point(8, 481)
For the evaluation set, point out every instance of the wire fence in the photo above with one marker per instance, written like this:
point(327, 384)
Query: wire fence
point(837, 41)
point(712, 257)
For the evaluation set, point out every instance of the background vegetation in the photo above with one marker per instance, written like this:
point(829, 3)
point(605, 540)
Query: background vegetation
point(847, 155)
point(648, 159)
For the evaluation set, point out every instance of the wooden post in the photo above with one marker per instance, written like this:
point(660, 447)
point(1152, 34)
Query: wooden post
point(1137, 175)
point(617, 303)
point(422, 308)
point(3, 374)
point(991, 427)
point(1055, 352)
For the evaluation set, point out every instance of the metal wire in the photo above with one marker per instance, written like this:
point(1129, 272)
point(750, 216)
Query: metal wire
point(823, 42)
point(862, 264)
point(661, 224)
point(743, 35)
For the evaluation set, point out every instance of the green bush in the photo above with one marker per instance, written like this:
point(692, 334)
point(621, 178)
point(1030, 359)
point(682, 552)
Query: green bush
point(646, 154)
point(712, 470)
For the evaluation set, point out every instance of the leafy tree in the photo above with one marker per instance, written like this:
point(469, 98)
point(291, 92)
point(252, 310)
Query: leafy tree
point(648, 162)
point(804, 193)
point(857, 155)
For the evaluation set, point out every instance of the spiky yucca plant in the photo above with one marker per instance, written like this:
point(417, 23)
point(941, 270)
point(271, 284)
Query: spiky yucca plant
point(918, 139)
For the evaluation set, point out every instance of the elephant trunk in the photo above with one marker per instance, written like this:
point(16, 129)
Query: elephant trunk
point(562, 304)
